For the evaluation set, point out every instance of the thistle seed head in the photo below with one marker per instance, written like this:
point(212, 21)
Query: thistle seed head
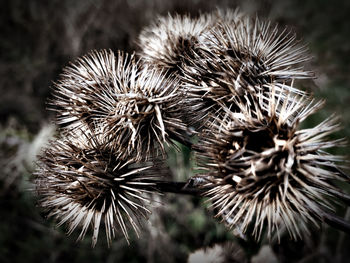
point(258, 51)
point(81, 83)
point(262, 168)
point(83, 183)
point(238, 57)
point(169, 42)
point(221, 91)
point(136, 106)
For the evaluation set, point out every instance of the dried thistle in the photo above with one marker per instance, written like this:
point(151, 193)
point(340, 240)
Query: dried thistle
point(257, 51)
point(169, 42)
point(80, 84)
point(237, 57)
point(82, 182)
point(136, 106)
point(262, 168)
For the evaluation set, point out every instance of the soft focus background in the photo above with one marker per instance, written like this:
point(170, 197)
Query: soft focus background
point(38, 38)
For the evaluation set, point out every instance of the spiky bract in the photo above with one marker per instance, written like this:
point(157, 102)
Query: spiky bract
point(136, 106)
point(80, 84)
point(83, 183)
point(262, 168)
point(258, 51)
point(237, 57)
point(169, 41)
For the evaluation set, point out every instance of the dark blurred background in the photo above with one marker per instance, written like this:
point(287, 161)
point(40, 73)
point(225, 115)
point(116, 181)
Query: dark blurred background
point(38, 38)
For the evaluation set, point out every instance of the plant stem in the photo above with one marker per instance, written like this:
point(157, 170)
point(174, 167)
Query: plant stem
point(178, 188)
point(188, 189)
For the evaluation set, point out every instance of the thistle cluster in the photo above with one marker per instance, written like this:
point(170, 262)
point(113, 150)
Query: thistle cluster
point(115, 115)
point(225, 78)
point(134, 107)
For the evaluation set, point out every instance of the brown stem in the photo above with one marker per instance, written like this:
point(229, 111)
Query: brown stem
point(188, 189)
point(178, 188)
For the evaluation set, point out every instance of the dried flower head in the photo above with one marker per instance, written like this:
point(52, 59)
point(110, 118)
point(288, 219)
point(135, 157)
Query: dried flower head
point(169, 41)
point(262, 168)
point(258, 51)
point(137, 107)
point(237, 57)
point(80, 83)
point(83, 183)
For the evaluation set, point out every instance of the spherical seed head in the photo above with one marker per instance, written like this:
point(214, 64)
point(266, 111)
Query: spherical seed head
point(147, 115)
point(169, 41)
point(259, 51)
point(137, 106)
point(83, 183)
point(76, 92)
point(263, 169)
point(239, 56)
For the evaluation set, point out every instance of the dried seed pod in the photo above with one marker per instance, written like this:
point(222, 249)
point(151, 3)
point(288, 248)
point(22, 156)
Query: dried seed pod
point(136, 106)
point(83, 183)
point(169, 42)
point(257, 51)
point(81, 84)
point(262, 168)
point(238, 57)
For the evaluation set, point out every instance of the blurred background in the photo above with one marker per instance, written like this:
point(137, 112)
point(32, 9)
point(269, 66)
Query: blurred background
point(38, 38)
